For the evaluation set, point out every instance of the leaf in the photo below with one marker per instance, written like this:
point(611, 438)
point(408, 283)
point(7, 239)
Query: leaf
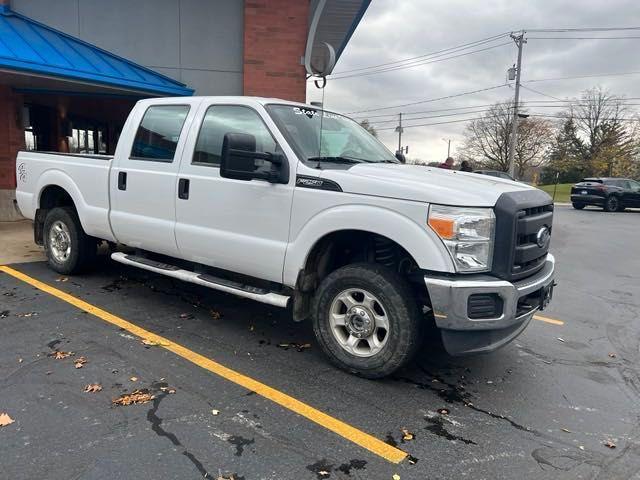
point(323, 473)
point(396, 476)
point(28, 314)
point(215, 412)
point(168, 389)
point(134, 379)
point(5, 419)
point(186, 316)
point(79, 362)
point(298, 346)
point(93, 388)
point(230, 477)
point(215, 315)
point(443, 411)
point(153, 343)
point(566, 430)
point(59, 354)
point(612, 355)
point(609, 444)
point(138, 396)
point(407, 436)
point(561, 339)
point(62, 279)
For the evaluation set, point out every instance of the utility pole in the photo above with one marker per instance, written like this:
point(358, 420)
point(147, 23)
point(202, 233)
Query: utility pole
point(399, 130)
point(520, 41)
point(448, 146)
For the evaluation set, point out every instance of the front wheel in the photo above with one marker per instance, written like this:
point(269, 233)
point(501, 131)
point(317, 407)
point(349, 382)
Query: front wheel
point(69, 249)
point(578, 206)
point(367, 320)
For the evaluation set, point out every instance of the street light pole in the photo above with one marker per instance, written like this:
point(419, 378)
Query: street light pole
point(399, 130)
point(520, 41)
point(448, 146)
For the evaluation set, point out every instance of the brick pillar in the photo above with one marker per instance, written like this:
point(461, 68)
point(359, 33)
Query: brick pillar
point(275, 36)
point(11, 135)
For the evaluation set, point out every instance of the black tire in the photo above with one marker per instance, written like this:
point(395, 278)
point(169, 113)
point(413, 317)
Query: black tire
point(82, 248)
point(578, 206)
point(612, 204)
point(397, 301)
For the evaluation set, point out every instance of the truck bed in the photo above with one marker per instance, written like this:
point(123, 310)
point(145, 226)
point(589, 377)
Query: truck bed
point(84, 177)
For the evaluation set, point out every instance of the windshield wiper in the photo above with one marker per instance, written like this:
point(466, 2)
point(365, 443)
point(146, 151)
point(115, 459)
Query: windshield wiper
point(347, 160)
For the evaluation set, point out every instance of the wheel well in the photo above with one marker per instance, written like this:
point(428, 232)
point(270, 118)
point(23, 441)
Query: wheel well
point(51, 197)
point(340, 248)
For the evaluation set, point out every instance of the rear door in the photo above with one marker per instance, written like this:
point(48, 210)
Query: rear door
point(632, 194)
point(241, 226)
point(143, 181)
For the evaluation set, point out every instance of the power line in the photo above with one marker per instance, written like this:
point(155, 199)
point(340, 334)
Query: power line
point(583, 38)
point(458, 47)
point(582, 76)
point(404, 67)
point(432, 99)
point(585, 29)
point(541, 93)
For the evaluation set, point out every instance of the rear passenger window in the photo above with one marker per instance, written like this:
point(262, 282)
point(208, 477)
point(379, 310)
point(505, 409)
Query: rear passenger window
point(158, 134)
point(222, 119)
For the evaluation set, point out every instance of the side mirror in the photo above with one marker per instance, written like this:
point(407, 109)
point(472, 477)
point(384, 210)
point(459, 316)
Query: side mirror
point(240, 161)
point(400, 156)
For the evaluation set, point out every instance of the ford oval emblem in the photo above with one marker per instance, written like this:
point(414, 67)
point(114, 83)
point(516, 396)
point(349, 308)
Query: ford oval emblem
point(543, 237)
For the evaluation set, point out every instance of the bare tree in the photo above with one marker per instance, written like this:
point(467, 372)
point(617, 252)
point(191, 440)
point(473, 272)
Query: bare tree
point(368, 127)
point(487, 140)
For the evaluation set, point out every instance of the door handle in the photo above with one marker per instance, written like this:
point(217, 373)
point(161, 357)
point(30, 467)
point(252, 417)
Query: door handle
point(122, 180)
point(183, 188)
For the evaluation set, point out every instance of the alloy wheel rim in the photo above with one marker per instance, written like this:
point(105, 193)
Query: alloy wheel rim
point(359, 322)
point(60, 241)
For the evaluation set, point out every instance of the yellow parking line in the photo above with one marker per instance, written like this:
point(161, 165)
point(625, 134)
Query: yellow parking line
point(343, 429)
point(552, 321)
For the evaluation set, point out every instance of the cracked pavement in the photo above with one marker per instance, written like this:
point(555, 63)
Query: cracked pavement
point(540, 408)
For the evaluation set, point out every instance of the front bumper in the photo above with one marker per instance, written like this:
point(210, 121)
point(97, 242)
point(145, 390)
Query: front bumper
point(462, 335)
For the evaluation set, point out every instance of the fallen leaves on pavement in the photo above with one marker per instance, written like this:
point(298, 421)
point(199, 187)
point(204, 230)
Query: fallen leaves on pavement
point(609, 444)
point(93, 388)
point(215, 412)
point(407, 435)
point(396, 476)
point(62, 279)
point(5, 419)
point(560, 339)
point(612, 355)
point(168, 389)
point(5, 313)
point(79, 362)
point(153, 343)
point(59, 354)
point(298, 346)
point(566, 430)
point(27, 314)
point(138, 396)
point(134, 379)
point(443, 411)
point(215, 315)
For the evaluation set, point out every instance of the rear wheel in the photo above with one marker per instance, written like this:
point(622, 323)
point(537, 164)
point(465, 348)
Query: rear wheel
point(367, 320)
point(613, 204)
point(69, 249)
point(578, 205)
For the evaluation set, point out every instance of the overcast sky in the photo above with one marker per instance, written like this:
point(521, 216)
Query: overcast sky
point(396, 30)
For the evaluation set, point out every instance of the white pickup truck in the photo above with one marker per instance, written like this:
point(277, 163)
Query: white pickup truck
point(289, 205)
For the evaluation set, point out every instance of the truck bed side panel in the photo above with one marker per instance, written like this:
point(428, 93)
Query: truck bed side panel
point(84, 178)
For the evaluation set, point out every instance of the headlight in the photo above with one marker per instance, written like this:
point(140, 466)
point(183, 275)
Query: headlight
point(467, 233)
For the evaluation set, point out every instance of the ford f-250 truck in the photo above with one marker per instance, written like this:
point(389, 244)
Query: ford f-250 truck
point(297, 207)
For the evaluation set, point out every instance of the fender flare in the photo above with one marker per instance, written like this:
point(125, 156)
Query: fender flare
point(58, 178)
point(419, 241)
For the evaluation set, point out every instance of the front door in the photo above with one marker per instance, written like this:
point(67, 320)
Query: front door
point(235, 225)
point(143, 181)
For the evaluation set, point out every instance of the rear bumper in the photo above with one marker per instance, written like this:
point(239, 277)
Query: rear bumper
point(587, 199)
point(462, 335)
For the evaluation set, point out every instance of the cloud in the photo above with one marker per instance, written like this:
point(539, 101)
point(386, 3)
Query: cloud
point(393, 30)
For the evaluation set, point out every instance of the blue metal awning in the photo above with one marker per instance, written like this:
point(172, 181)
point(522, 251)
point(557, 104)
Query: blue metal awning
point(30, 47)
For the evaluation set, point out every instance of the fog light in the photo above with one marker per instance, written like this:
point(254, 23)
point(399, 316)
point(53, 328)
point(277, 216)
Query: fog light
point(484, 305)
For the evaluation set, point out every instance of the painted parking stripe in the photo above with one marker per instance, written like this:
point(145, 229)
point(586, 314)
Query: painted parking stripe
point(552, 321)
point(339, 427)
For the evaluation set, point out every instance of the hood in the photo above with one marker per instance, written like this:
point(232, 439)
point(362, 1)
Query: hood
point(423, 184)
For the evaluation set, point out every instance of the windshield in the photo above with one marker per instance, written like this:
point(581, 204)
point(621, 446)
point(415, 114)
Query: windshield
point(343, 140)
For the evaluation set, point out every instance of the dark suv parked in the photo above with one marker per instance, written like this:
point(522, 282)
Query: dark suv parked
point(612, 194)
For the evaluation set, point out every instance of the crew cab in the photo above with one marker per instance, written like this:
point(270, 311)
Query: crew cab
point(293, 206)
point(612, 194)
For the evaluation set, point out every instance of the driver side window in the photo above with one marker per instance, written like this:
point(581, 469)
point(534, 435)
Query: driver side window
point(222, 119)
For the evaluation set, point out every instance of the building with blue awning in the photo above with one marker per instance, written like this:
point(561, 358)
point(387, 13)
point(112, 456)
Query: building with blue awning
point(70, 71)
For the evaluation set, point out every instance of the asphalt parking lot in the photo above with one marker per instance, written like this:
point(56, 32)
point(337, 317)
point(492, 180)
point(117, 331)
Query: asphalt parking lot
point(546, 406)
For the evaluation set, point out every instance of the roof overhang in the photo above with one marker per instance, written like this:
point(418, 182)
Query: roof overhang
point(331, 25)
point(31, 48)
